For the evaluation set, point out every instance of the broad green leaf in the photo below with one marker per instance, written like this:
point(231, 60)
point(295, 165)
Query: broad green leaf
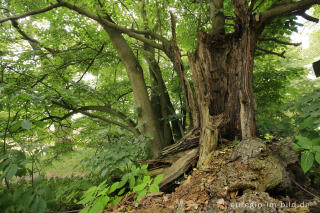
point(121, 191)
point(99, 205)
point(144, 167)
point(132, 182)
point(297, 148)
point(86, 200)
point(116, 200)
point(104, 192)
point(123, 181)
point(39, 205)
point(316, 148)
point(317, 157)
point(307, 160)
point(25, 124)
point(147, 179)
point(113, 187)
point(304, 142)
point(85, 210)
point(154, 188)
point(139, 187)
point(11, 171)
point(158, 179)
point(141, 194)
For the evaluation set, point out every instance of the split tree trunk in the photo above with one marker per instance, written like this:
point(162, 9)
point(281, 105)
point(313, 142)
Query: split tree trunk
point(222, 72)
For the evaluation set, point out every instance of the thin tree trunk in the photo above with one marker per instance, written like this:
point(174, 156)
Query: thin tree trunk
point(164, 98)
point(146, 115)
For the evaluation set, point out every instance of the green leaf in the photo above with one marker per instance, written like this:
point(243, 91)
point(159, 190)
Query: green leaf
point(139, 187)
point(123, 181)
point(85, 210)
point(317, 157)
point(307, 160)
point(158, 179)
point(297, 148)
point(316, 148)
point(154, 188)
point(141, 194)
point(132, 181)
point(144, 167)
point(121, 191)
point(99, 205)
point(39, 205)
point(113, 187)
point(11, 171)
point(116, 200)
point(25, 124)
point(147, 179)
point(304, 142)
point(104, 192)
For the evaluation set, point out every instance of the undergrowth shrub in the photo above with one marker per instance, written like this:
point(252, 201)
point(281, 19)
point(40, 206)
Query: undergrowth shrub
point(137, 180)
point(111, 159)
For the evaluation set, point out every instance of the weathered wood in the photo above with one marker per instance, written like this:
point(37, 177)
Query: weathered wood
point(176, 159)
point(189, 141)
point(179, 167)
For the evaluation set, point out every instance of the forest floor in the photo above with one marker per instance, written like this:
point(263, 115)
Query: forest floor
point(203, 191)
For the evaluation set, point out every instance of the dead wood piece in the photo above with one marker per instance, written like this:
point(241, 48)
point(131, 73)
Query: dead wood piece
point(189, 141)
point(179, 167)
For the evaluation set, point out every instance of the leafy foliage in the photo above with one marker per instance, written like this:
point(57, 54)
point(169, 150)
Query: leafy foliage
point(112, 158)
point(137, 180)
point(307, 121)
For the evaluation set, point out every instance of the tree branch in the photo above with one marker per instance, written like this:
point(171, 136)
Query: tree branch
point(35, 44)
point(91, 63)
point(133, 130)
point(271, 52)
point(107, 23)
point(31, 13)
point(309, 18)
point(130, 32)
point(279, 41)
point(104, 108)
point(285, 9)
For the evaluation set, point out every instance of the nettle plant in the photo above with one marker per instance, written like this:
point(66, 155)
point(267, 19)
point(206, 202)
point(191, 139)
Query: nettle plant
point(138, 180)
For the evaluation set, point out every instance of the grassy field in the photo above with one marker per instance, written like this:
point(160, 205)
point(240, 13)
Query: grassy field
point(68, 164)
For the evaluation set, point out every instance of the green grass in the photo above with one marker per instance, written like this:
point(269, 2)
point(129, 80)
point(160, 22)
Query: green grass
point(68, 164)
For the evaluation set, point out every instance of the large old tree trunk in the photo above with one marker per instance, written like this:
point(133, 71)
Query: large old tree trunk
point(222, 72)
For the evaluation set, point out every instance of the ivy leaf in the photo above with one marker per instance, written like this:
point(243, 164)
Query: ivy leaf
point(25, 124)
point(307, 160)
